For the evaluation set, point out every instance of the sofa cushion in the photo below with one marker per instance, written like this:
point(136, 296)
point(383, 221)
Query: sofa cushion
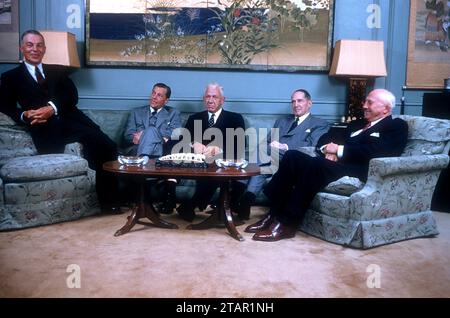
point(345, 186)
point(43, 167)
point(47, 190)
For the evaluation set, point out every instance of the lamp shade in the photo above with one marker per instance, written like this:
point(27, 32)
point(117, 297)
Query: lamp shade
point(61, 48)
point(357, 58)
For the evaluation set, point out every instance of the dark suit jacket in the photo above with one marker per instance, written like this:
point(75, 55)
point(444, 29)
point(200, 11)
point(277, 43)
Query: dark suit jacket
point(19, 87)
point(226, 120)
point(385, 139)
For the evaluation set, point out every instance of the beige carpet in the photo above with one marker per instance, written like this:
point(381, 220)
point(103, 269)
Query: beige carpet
point(153, 262)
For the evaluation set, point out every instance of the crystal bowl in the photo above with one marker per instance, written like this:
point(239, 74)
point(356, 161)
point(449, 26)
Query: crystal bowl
point(132, 160)
point(228, 163)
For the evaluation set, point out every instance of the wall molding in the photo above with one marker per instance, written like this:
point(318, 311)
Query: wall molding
point(197, 99)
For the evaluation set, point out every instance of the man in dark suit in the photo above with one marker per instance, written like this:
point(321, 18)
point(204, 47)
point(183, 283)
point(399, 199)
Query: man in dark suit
point(214, 132)
point(148, 133)
point(300, 129)
point(300, 177)
point(47, 99)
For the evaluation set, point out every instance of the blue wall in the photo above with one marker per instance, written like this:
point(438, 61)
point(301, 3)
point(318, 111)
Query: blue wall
point(246, 92)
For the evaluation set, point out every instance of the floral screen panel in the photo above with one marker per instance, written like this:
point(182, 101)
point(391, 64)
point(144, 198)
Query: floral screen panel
point(240, 34)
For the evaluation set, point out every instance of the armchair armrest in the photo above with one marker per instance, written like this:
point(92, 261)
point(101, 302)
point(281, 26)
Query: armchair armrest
point(411, 164)
point(398, 186)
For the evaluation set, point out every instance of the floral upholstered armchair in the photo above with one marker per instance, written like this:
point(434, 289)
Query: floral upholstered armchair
point(394, 204)
point(41, 189)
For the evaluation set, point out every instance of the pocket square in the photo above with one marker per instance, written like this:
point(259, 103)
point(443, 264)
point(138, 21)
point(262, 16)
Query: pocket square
point(308, 131)
point(375, 134)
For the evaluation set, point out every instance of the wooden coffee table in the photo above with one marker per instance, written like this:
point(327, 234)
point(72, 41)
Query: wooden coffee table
point(221, 214)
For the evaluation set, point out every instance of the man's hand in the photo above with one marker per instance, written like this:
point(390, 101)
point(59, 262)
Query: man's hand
point(331, 157)
point(198, 148)
point(137, 137)
point(331, 148)
point(276, 144)
point(40, 115)
point(211, 151)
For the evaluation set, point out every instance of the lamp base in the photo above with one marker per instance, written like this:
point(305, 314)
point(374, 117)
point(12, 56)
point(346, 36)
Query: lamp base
point(356, 98)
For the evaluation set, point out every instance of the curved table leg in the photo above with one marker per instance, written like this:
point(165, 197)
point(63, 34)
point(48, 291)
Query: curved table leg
point(229, 223)
point(144, 210)
point(221, 215)
point(156, 221)
point(132, 219)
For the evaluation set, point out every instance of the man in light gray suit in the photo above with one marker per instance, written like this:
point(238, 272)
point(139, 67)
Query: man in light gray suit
point(301, 129)
point(150, 127)
point(148, 130)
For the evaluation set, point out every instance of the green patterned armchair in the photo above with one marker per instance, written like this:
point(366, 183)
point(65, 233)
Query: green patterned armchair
point(41, 189)
point(394, 204)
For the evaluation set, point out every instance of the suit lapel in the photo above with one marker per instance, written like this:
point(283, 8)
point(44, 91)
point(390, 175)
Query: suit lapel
point(219, 122)
point(299, 127)
point(162, 117)
point(27, 76)
point(378, 126)
point(302, 125)
point(204, 118)
point(145, 116)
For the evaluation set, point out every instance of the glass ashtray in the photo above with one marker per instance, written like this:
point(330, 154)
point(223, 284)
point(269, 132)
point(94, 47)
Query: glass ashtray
point(132, 160)
point(228, 163)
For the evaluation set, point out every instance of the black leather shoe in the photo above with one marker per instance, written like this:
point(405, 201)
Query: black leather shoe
point(261, 224)
point(186, 211)
point(275, 232)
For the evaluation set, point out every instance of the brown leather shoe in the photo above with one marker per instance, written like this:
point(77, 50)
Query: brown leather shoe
point(261, 224)
point(275, 232)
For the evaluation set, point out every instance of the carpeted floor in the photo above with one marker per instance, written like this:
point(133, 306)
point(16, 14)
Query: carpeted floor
point(153, 262)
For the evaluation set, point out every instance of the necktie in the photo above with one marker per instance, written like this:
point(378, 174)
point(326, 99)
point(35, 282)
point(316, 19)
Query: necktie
point(152, 119)
point(40, 79)
point(294, 124)
point(211, 121)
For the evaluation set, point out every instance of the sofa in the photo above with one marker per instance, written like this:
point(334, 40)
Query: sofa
point(41, 189)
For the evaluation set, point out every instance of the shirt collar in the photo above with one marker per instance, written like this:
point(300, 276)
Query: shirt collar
point(302, 118)
point(31, 70)
point(216, 114)
point(373, 123)
point(157, 111)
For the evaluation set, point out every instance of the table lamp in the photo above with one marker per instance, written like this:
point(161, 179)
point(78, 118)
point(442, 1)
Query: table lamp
point(359, 61)
point(61, 48)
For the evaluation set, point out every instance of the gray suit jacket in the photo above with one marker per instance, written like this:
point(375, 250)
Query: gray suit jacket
point(167, 120)
point(306, 134)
